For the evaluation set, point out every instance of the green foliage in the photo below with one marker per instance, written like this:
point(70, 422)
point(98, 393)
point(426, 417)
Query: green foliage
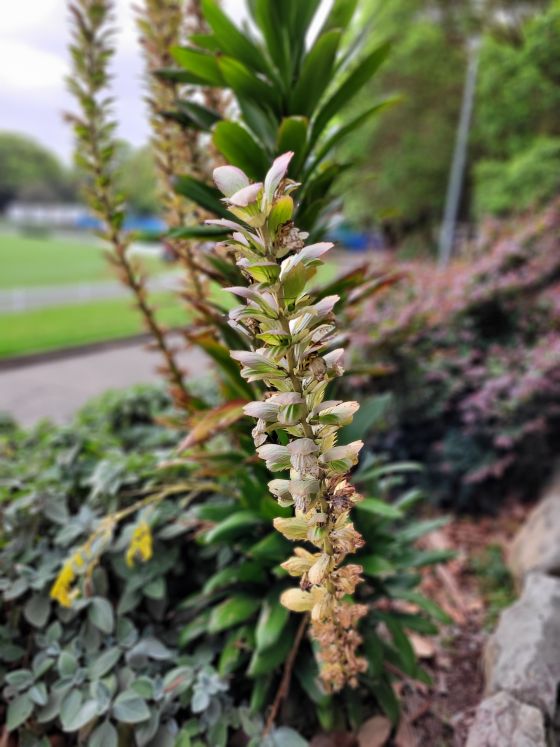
point(114, 659)
point(495, 582)
point(290, 97)
point(529, 179)
point(136, 179)
point(29, 170)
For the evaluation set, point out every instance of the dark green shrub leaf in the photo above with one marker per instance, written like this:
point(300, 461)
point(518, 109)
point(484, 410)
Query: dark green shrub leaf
point(232, 612)
point(200, 64)
point(236, 525)
point(240, 149)
point(316, 73)
point(375, 565)
point(379, 508)
point(271, 623)
point(263, 662)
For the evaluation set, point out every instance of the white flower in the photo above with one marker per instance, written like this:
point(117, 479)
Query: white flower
point(340, 459)
point(276, 173)
point(277, 457)
point(230, 179)
point(246, 196)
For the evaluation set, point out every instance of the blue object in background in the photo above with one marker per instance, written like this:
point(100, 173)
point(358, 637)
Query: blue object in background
point(141, 223)
point(355, 241)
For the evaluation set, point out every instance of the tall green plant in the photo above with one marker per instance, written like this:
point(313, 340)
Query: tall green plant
point(289, 95)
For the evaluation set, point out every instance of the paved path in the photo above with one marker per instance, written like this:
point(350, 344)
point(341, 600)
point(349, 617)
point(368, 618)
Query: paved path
point(22, 299)
point(55, 389)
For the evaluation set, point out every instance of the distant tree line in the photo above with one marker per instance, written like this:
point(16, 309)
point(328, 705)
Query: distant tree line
point(30, 172)
point(514, 150)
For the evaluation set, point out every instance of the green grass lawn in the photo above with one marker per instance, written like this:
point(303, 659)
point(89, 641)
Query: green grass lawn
point(27, 261)
point(66, 326)
point(56, 327)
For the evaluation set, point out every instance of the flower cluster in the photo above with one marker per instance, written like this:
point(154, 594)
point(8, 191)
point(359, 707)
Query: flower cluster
point(290, 334)
point(141, 544)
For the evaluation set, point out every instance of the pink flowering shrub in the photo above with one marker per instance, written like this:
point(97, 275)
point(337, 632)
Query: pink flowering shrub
point(473, 390)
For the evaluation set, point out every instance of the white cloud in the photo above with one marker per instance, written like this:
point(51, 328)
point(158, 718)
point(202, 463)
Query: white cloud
point(24, 67)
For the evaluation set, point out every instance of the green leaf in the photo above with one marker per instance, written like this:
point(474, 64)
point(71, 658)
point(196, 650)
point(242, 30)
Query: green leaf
point(199, 232)
point(19, 678)
point(76, 721)
point(402, 645)
point(420, 528)
point(201, 117)
point(373, 649)
point(342, 132)
point(265, 661)
point(425, 604)
point(316, 73)
point(292, 135)
point(70, 706)
point(387, 700)
point(379, 508)
point(202, 194)
point(67, 664)
point(232, 611)
point(246, 572)
point(105, 735)
point(340, 15)
point(268, 17)
point(100, 614)
point(19, 710)
point(38, 694)
point(231, 40)
point(272, 622)
point(375, 565)
point(348, 88)
point(194, 629)
point(236, 525)
point(246, 84)
point(104, 663)
point(130, 708)
point(200, 64)
point(37, 610)
point(240, 149)
point(286, 737)
point(272, 548)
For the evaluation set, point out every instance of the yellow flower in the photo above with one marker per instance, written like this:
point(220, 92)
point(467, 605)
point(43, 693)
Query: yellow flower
point(141, 545)
point(62, 588)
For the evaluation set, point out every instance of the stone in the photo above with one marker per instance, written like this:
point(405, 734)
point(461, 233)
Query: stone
point(503, 721)
point(522, 657)
point(536, 547)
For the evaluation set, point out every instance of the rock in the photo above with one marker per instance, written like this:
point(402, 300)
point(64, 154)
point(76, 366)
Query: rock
point(502, 721)
point(536, 547)
point(523, 655)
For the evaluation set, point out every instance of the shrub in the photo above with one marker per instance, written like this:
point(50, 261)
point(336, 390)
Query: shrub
point(528, 180)
point(474, 354)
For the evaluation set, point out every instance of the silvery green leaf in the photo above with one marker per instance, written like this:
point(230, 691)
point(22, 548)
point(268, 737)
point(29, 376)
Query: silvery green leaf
point(20, 679)
point(70, 705)
point(53, 633)
point(104, 735)
point(285, 737)
point(178, 680)
point(130, 708)
point(19, 710)
point(127, 634)
point(17, 589)
point(200, 700)
point(155, 589)
point(38, 694)
point(101, 693)
point(145, 732)
point(150, 647)
point(37, 610)
point(100, 614)
point(144, 687)
point(67, 664)
point(51, 708)
point(86, 713)
point(104, 663)
point(41, 664)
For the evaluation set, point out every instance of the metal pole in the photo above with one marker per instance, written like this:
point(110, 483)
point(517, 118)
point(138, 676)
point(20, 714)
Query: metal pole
point(456, 177)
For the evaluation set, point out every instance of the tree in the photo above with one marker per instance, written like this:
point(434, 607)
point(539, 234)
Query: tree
point(29, 169)
point(137, 179)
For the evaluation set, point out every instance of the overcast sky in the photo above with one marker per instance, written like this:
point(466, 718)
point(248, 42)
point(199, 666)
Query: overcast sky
point(34, 61)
